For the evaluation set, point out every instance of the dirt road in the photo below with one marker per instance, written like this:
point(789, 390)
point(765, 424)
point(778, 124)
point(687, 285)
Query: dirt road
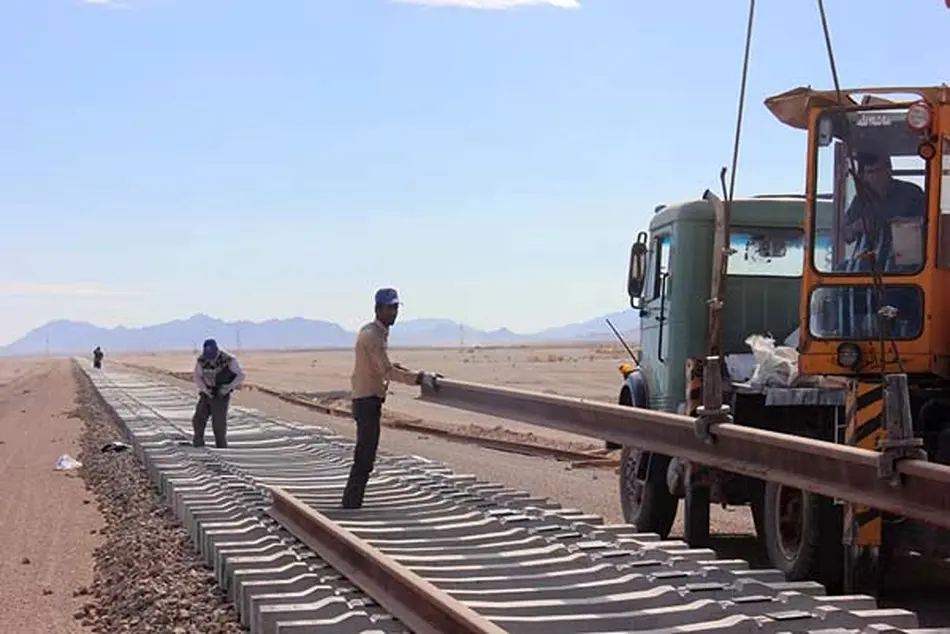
point(48, 527)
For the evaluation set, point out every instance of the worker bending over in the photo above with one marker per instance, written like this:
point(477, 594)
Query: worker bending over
point(372, 372)
point(217, 374)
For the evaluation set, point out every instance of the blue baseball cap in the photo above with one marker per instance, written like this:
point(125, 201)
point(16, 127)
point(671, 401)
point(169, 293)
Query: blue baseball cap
point(387, 297)
point(209, 348)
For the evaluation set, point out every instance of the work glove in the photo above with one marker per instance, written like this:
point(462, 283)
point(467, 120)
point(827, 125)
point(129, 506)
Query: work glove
point(429, 379)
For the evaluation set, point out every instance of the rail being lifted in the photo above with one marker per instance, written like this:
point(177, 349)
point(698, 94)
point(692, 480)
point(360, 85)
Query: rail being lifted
point(920, 490)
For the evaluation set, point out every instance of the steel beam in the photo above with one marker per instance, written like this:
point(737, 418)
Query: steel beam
point(838, 471)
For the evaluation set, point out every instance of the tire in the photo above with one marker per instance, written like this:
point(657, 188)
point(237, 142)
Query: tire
point(644, 495)
point(802, 535)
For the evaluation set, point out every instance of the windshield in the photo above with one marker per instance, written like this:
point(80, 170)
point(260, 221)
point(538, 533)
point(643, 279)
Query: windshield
point(851, 312)
point(766, 251)
point(879, 212)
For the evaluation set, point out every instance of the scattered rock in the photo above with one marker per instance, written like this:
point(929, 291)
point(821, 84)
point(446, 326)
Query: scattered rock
point(47, 592)
point(147, 578)
point(25, 561)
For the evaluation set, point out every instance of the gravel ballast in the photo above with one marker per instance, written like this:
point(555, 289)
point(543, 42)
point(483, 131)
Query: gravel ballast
point(148, 577)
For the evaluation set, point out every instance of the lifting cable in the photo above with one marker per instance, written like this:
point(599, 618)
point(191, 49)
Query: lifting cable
point(742, 88)
point(715, 301)
point(884, 313)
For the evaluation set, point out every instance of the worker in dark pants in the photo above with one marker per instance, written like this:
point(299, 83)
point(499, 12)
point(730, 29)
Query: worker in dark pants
point(372, 372)
point(97, 357)
point(217, 374)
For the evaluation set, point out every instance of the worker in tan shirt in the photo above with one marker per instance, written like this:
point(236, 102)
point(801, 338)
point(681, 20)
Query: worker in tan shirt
point(372, 373)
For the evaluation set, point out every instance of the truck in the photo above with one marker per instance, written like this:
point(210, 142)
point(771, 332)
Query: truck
point(840, 291)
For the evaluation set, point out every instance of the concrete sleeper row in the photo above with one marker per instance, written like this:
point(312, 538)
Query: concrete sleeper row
point(527, 564)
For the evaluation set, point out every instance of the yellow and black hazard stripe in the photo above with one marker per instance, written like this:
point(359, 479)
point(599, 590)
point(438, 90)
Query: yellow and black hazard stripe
point(694, 385)
point(864, 429)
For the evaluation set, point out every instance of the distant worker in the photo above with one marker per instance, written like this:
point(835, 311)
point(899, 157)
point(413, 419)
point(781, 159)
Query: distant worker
point(217, 374)
point(97, 357)
point(372, 372)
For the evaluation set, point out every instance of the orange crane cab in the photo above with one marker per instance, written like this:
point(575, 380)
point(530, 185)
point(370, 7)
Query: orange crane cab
point(870, 298)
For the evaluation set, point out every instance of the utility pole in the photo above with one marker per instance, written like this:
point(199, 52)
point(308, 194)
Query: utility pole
point(47, 345)
point(238, 338)
point(461, 335)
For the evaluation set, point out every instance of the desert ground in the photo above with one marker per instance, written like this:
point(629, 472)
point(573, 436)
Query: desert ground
point(48, 527)
point(67, 538)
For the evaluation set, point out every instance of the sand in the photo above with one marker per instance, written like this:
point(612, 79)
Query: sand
point(48, 525)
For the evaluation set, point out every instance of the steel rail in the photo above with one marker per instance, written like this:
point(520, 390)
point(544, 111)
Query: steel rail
point(829, 469)
point(416, 603)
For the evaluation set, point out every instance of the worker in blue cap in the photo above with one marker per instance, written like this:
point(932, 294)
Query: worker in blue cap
point(217, 374)
point(372, 373)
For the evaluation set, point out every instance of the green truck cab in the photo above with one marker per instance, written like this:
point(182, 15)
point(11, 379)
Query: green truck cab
point(669, 283)
point(763, 286)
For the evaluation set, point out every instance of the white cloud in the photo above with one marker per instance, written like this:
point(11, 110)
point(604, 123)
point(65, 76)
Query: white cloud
point(493, 4)
point(65, 290)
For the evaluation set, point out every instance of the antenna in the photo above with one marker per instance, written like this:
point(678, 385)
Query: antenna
point(620, 337)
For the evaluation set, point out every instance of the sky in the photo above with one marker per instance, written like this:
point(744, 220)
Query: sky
point(492, 159)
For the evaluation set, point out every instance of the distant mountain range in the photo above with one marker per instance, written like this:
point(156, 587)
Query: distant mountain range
point(70, 337)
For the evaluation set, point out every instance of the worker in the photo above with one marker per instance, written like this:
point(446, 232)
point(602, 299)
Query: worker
point(217, 374)
point(884, 199)
point(97, 357)
point(372, 372)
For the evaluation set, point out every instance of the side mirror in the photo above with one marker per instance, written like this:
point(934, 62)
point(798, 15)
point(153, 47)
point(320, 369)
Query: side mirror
point(638, 268)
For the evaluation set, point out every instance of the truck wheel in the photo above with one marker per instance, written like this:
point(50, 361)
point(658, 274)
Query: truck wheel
point(646, 501)
point(802, 534)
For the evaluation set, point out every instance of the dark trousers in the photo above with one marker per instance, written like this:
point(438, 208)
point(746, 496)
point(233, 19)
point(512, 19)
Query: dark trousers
point(217, 409)
point(367, 412)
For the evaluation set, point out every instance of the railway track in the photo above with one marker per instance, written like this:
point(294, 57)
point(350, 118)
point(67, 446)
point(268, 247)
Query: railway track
point(595, 459)
point(430, 545)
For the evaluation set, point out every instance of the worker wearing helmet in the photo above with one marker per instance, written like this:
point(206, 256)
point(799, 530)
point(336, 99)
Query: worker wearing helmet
point(372, 372)
point(217, 374)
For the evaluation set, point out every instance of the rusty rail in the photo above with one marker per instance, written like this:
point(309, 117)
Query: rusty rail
point(826, 468)
point(419, 605)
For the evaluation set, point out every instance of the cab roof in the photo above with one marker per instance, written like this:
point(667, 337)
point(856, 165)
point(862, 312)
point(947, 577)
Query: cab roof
point(791, 107)
point(756, 211)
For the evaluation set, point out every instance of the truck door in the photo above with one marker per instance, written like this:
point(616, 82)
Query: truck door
point(654, 317)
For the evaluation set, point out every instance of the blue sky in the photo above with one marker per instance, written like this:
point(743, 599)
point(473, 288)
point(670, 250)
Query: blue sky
point(270, 159)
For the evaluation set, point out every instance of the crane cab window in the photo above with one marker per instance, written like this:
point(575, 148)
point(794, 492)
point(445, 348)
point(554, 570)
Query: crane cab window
point(878, 220)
